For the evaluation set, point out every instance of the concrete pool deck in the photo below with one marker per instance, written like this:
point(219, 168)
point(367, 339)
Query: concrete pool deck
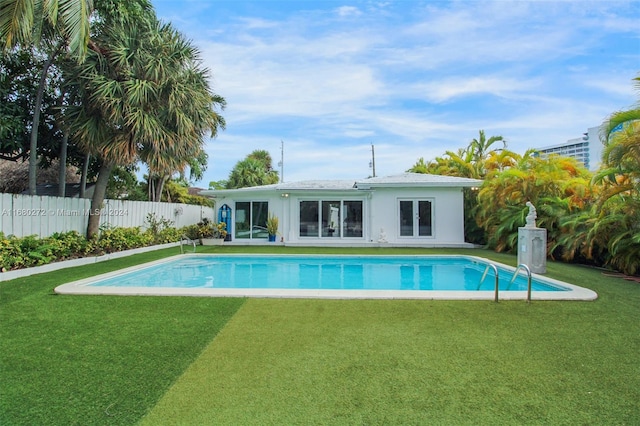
point(83, 287)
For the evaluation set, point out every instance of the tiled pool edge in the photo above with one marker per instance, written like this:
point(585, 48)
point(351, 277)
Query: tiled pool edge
point(81, 287)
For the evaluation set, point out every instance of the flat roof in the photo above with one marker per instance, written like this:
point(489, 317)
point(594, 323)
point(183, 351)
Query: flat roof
point(413, 180)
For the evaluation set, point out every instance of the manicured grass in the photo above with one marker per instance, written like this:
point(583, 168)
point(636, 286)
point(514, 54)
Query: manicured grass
point(95, 360)
point(108, 360)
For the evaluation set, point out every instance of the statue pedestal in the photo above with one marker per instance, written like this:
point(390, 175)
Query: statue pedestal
point(532, 248)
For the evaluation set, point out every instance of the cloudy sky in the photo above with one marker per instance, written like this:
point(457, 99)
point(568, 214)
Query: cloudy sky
point(330, 79)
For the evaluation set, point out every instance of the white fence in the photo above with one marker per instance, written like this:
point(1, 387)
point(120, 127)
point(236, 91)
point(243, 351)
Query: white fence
point(22, 215)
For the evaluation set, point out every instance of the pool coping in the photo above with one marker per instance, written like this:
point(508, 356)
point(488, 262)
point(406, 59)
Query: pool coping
point(82, 287)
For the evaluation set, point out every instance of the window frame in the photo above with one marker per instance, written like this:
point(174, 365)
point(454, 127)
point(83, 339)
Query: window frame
point(323, 219)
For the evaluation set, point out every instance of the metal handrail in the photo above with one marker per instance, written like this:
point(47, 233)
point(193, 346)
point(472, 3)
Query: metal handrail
point(484, 275)
point(188, 240)
point(528, 271)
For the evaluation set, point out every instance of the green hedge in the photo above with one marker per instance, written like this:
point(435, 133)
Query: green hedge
point(25, 252)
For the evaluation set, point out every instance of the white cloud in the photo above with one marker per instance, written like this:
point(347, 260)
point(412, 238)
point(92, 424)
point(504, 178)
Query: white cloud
point(347, 11)
point(444, 90)
point(413, 79)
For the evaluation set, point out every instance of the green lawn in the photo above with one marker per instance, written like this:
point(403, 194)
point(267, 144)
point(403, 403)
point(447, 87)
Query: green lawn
point(180, 360)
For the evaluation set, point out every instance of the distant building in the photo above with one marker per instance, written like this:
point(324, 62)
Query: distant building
point(586, 149)
point(72, 190)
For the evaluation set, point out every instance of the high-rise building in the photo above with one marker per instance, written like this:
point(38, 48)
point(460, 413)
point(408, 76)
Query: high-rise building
point(586, 149)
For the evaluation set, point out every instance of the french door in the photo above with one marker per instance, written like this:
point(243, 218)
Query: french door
point(416, 218)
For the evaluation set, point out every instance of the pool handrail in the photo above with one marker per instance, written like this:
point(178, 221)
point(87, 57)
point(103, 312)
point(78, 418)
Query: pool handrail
point(515, 275)
point(189, 241)
point(484, 275)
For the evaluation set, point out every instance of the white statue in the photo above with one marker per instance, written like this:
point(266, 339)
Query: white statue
point(531, 217)
point(383, 236)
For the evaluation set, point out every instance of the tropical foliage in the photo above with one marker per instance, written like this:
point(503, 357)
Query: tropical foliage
point(26, 22)
point(474, 161)
point(589, 218)
point(609, 232)
point(145, 97)
point(557, 186)
point(255, 170)
point(135, 91)
point(24, 252)
point(206, 229)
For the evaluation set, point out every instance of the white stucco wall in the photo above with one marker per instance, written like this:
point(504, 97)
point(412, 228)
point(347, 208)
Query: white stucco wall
point(447, 215)
point(380, 211)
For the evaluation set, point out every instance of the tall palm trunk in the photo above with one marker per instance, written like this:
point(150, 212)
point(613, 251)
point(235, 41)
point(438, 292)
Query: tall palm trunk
point(83, 178)
point(99, 192)
point(35, 123)
point(156, 186)
point(62, 171)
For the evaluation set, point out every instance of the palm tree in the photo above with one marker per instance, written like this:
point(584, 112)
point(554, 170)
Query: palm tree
point(254, 170)
point(559, 186)
point(621, 157)
point(52, 24)
point(25, 22)
point(154, 105)
point(419, 167)
point(479, 150)
point(618, 210)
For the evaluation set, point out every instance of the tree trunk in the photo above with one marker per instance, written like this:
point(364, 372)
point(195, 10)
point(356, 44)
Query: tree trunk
point(35, 123)
point(151, 188)
point(62, 171)
point(83, 178)
point(98, 198)
point(160, 187)
point(156, 186)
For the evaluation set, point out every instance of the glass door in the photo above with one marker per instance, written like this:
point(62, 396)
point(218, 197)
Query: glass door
point(416, 218)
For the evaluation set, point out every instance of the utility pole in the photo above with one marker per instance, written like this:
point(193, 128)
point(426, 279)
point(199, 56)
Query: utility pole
point(373, 161)
point(281, 163)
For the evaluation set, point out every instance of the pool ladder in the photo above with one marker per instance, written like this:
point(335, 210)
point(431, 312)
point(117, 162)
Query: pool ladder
point(515, 275)
point(495, 271)
point(188, 241)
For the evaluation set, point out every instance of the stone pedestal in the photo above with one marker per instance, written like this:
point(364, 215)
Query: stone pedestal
point(532, 248)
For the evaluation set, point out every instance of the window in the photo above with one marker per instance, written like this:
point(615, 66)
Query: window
point(251, 219)
point(352, 218)
point(308, 218)
point(331, 218)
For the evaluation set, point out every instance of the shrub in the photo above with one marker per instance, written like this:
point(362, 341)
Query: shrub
point(118, 239)
point(161, 230)
point(191, 231)
point(10, 253)
point(209, 229)
point(16, 253)
point(68, 244)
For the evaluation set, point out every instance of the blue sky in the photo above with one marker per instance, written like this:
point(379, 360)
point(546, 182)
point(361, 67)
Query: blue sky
point(413, 78)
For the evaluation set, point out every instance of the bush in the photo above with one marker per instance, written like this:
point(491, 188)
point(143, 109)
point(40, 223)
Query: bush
point(10, 253)
point(192, 232)
point(68, 244)
point(161, 230)
point(118, 239)
point(16, 253)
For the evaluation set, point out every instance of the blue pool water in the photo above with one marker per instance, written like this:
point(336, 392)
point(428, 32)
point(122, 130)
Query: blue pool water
point(325, 272)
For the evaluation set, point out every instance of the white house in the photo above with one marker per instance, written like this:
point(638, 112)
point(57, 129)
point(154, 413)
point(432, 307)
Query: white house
point(410, 209)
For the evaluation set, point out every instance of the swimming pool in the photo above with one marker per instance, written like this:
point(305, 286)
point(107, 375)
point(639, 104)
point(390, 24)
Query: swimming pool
point(343, 276)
